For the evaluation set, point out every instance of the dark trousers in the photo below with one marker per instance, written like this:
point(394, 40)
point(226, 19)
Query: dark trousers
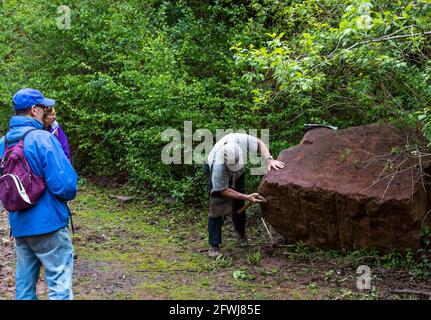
point(238, 220)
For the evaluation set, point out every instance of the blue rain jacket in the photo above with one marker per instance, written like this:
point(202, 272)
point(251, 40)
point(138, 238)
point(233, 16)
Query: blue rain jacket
point(46, 158)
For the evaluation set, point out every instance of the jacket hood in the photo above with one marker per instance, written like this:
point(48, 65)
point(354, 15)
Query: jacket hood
point(20, 124)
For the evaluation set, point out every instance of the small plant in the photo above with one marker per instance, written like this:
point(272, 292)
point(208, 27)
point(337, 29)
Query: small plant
point(395, 150)
point(393, 260)
point(302, 250)
point(333, 254)
point(271, 272)
point(410, 259)
point(82, 182)
point(239, 274)
point(422, 269)
point(206, 282)
point(224, 262)
point(330, 275)
point(373, 294)
point(346, 294)
point(242, 274)
point(285, 278)
point(220, 262)
point(361, 256)
point(314, 289)
point(254, 259)
point(418, 263)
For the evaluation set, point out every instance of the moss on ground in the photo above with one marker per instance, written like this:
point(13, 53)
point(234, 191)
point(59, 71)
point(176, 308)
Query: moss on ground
point(163, 248)
point(157, 250)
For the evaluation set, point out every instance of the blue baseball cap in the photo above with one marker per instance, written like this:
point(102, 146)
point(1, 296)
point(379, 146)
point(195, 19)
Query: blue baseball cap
point(27, 97)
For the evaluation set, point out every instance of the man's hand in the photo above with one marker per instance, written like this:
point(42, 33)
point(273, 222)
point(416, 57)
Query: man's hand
point(255, 198)
point(275, 164)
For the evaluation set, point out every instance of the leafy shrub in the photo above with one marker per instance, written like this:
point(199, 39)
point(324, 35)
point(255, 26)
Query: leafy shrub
point(126, 71)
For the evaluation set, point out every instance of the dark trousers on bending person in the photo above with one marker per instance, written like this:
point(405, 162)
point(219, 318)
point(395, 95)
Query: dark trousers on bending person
point(238, 220)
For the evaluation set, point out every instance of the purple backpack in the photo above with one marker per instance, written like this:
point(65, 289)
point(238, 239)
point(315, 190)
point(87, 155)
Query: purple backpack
point(20, 188)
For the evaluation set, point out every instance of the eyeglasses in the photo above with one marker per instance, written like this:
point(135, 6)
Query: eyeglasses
point(46, 109)
point(41, 106)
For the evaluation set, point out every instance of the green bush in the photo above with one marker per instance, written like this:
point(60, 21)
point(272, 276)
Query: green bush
point(127, 70)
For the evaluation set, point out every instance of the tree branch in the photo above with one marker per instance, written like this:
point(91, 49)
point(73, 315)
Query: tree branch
point(386, 38)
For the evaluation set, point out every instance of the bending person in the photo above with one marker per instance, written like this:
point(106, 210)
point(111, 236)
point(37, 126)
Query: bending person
point(226, 183)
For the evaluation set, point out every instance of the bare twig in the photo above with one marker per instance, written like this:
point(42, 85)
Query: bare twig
point(172, 270)
point(420, 165)
point(405, 291)
point(286, 245)
point(385, 177)
point(386, 38)
point(267, 230)
point(387, 187)
point(398, 31)
point(424, 218)
point(418, 153)
point(413, 186)
point(381, 39)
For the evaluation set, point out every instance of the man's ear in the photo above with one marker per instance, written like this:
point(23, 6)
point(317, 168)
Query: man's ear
point(33, 112)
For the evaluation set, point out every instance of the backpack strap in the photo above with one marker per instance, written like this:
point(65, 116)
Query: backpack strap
point(7, 142)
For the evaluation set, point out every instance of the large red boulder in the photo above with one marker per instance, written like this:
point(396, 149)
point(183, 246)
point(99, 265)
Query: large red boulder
point(360, 187)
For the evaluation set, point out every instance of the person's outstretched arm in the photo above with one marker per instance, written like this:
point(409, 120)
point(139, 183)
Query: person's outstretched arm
point(272, 163)
point(233, 194)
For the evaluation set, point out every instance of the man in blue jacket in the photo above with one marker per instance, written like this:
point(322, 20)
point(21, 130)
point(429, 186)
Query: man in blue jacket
point(41, 231)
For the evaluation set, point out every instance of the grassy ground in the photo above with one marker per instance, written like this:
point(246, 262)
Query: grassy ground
point(144, 250)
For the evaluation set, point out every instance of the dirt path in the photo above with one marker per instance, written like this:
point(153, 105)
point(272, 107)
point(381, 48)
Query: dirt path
point(144, 250)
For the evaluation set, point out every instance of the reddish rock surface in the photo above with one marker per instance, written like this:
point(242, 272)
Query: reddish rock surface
point(354, 188)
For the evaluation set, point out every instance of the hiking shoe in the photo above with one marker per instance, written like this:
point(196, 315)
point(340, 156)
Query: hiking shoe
point(242, 241)
point(214, 251)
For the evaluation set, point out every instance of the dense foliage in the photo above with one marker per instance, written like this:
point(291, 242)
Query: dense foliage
point(127, 70)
